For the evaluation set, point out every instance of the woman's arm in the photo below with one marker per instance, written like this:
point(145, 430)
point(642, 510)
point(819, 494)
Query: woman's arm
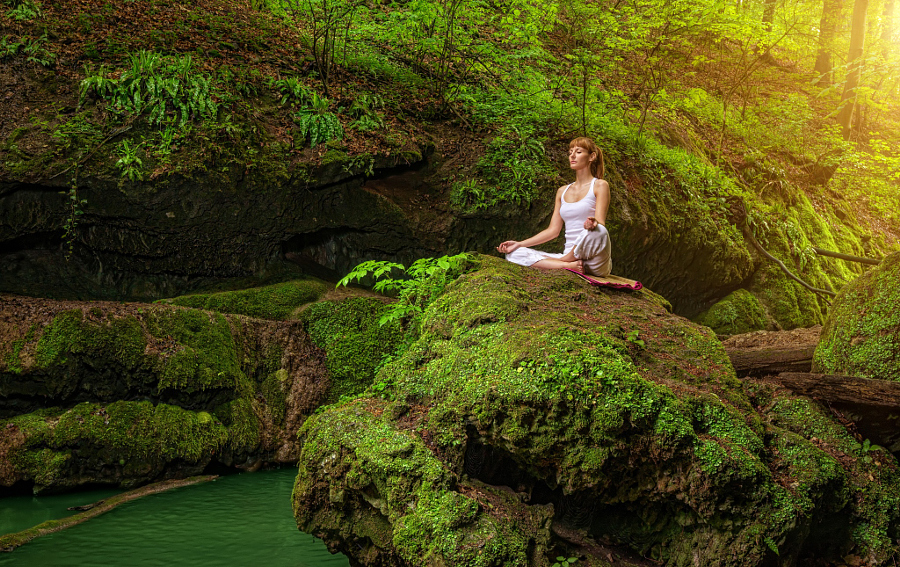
point(601, 192)
point(546, 235)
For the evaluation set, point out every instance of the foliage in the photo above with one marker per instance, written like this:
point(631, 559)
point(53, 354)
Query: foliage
point(424, 280)
point(329, 23)
point(164, 89)
point(562, 561)
point(34, 49)
point(129, 163)
point(75, 210)
point(317, 124)
point(513, 165)
point(365, 113)
point(24, 10)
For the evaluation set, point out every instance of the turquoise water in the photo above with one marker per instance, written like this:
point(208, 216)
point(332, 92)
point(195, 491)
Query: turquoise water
point(243, 519)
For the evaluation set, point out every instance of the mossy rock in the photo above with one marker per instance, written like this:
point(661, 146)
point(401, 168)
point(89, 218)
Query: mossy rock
point(142, 391)
point(626, 418)
point(354, 339)
point(861, 336)
point(408, 508)
point(122, 443)
point(278, 301)
point(738, 312)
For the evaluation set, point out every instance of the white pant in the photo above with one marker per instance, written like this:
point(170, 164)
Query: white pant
point(592, 247)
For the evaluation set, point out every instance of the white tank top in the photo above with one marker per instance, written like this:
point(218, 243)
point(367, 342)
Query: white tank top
point(574, 214)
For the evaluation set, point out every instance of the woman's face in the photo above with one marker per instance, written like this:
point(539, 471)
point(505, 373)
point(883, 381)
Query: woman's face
point(580, 158)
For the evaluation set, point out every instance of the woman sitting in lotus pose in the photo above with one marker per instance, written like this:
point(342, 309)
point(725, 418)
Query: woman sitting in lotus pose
point(582, 207)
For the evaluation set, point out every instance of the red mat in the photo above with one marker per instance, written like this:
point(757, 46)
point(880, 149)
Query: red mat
point(614, 282)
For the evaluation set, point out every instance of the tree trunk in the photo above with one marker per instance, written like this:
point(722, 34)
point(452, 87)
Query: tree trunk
point(855, 57)
point(831, 13)
point(887, 28)
point(768, 14)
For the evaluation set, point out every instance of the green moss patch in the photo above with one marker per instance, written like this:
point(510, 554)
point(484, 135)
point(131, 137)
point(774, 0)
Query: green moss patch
point(738, 312)
point(131, 440)
point(861, 336)
point(354, 341)
point(277, 301)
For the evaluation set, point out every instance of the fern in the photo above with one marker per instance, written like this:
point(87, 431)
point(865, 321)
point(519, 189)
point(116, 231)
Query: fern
point(156, 86)
point(417, 286)
point(317, 124)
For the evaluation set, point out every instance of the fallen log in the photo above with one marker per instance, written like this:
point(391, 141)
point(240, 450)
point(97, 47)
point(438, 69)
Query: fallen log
point(843, 389)
point(762, 353)
point(772, 360)
point(9, 542)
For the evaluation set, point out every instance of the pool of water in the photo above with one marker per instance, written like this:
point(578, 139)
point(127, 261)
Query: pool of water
point(243, 519)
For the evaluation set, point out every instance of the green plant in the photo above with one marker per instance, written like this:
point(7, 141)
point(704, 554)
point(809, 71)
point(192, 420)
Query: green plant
point(632, 336)
point(326, 21)
point(25, 11)
point(364, 111)
point(509, 172)
point(364, 163)
point(317, 124)
point(161, 87)
point(564, 561)
point(129, 163)
point(419, 285)
point(75, 210)
point(34, 49)
point(292, 90)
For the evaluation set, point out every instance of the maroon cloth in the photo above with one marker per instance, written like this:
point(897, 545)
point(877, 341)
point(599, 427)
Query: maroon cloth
point(603, 282)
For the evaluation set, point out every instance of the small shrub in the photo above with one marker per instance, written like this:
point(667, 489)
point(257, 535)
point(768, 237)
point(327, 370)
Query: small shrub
point(317, 124)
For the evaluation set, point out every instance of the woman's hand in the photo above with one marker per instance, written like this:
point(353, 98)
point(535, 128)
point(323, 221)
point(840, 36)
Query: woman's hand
point(508, 247)
point(591, 223)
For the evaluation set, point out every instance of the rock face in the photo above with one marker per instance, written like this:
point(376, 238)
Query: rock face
point(128, 393)
point(535, 416)
point(861, 336)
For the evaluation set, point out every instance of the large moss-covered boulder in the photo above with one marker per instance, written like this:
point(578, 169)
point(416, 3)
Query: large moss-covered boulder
point(123, 394)
point(861, 336)
point(614, 424)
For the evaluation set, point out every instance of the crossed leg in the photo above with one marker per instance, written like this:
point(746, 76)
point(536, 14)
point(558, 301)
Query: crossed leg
point(568, 261)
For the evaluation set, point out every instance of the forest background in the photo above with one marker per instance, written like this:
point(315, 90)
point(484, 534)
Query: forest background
point(786, 107)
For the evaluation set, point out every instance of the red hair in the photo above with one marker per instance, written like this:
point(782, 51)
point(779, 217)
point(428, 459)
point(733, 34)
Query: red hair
point(597, 166)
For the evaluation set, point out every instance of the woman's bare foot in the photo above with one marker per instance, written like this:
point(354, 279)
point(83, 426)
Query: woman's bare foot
point(558, 264)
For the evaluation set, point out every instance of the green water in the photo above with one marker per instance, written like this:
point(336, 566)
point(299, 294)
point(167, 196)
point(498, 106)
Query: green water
point(243, 519)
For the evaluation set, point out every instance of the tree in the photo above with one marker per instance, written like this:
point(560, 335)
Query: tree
point(326, 19)
point(855, 59)
point(831, 13)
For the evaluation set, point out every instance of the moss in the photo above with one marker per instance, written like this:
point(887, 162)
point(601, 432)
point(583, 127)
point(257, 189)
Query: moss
point(603, 396)
point(862, 334)
point(121, 339)
point(863, 480)
point(205, 356)
point(243, 426)
point(385, 473)
point(13, 362)
point(273, 391)
point(738, 312)
point(278, 301)
point(133, 437)
point(354, 341)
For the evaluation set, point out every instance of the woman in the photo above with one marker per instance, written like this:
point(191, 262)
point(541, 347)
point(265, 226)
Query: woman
point(582, 207)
